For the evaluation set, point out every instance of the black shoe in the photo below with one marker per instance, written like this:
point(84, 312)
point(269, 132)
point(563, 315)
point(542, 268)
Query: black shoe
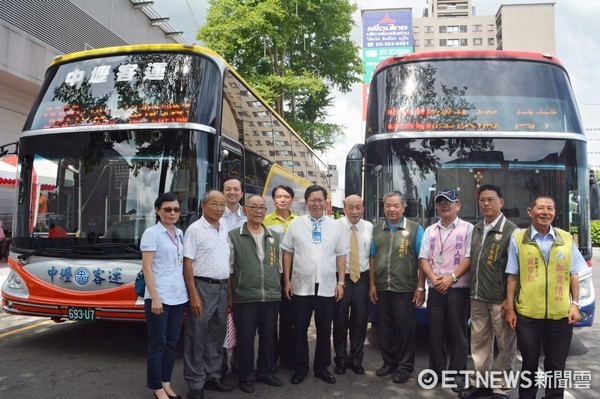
point(473, 392)
point(297, 378)
point(401, 377)
point(386, 370)
point(358, 369)
point(247, 387)
point(340, 368)
point(196, 394)
point(218, 385)
point(269, 379)
point(325, 376)
point(174, 397)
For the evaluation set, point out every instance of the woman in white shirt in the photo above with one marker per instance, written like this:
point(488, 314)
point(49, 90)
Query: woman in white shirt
point(166, 295)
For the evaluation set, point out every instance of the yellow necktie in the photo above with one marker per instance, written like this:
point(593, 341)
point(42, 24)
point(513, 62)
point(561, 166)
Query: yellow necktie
point(354, 258)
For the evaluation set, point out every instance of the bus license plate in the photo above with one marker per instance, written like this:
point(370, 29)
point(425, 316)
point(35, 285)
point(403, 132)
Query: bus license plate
point(82, 314)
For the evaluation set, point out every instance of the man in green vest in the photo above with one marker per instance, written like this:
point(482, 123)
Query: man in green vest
point(396, 287)
point(542, 294)
point(489, 254)
point(255, 295)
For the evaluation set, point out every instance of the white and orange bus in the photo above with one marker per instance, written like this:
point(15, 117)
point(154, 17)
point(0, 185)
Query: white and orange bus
point(112, 129)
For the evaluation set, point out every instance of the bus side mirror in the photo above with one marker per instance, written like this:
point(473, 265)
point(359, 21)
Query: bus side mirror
point(594, 197)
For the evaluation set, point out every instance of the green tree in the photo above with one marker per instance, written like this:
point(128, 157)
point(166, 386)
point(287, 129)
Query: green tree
point(293, 52)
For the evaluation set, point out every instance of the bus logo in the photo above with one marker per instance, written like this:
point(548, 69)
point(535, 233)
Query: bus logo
point(82, 276)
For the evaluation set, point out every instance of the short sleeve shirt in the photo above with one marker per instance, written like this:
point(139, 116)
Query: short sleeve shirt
point(208, 248)
point(314, 263)
point(167, 271)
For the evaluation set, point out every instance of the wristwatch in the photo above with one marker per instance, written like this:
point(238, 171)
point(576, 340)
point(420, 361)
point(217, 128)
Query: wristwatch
point(454, 278)
point(576, 304)
point(342, 284)
point(421, 289)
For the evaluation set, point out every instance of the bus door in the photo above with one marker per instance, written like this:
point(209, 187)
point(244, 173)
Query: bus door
point(231, 161)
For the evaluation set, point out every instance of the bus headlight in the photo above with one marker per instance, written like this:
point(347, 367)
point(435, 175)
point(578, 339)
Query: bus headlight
point(585, 291)
point(15, 286)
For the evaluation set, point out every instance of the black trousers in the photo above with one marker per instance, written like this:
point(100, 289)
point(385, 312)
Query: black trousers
point(285, 343)
point(448, 318)
point(351, 315)
point(396, 324)
point(555, 337)
point(303, 308)
point(250, 318)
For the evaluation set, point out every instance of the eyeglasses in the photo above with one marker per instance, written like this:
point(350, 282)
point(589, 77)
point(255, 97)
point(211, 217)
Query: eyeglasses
point(444, 202)
point(169, 210)
point(488, 200)
point(255, 208)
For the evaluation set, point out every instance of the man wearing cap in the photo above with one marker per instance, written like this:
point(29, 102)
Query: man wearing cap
point(541, 296)
point(489, 254)
point(444, 258)
point(396, 287)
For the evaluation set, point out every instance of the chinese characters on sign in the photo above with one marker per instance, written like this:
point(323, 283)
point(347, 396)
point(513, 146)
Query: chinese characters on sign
point(81, 276)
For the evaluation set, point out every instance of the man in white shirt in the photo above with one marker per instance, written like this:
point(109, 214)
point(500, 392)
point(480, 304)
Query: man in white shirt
point(316, 248)
point(206, 272)
point(352, 312)
point(233, 216)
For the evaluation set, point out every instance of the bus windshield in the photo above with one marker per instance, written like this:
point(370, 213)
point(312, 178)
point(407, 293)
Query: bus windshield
point(127, 89)
point(83, 189)
point(472, 95)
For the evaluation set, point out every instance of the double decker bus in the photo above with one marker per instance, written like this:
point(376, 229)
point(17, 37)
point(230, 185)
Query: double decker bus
point(112, 129)
point(460, 119)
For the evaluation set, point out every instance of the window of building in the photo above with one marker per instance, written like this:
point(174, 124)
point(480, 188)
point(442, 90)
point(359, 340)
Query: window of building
point(415, 29)
point(478, 41)
point(452, 43)
point(464, 42)
point(443, 29)
point(442, 42)
point(491, 41)
point(490, 27)
point(428, 42)
point(429, 29)
point(451, 29)
point(477, 28)
point(416, 42)
point(463, 29)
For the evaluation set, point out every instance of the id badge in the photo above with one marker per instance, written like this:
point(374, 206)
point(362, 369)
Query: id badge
point(438, 259)
point(179, 261)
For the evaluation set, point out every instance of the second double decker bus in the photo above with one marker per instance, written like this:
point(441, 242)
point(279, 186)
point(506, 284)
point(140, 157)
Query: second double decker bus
point(460, 119)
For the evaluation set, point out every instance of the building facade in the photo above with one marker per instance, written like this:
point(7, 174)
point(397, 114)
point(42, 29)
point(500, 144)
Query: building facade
point(454, 24)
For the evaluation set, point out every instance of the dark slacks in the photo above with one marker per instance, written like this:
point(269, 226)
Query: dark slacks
point(164, 331)
point(323, 308)
point(351, 315)
point(555, 337)
point(448, 318)
point(250, 318)
point(396, 325)
point(285, 343)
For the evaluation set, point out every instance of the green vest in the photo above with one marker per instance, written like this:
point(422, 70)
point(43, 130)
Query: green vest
point(488, 261)
point(251, 280)
point(544, 290)
point(396, 262)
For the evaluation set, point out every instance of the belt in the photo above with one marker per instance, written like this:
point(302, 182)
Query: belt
point(212, 280)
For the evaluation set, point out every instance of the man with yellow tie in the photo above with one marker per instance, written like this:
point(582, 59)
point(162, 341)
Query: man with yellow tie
point(351, 313)
point(396, 287)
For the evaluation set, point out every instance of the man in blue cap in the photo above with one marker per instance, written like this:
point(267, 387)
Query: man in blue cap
point(445, 258)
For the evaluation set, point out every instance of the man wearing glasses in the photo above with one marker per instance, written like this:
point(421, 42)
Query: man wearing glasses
point(489, 255)
point(254, 295)
point(206, 272)
point(316, 248)
point(444, 258)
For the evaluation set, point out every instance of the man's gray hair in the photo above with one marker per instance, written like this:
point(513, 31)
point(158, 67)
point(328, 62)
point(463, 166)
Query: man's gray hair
point(395, 194)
